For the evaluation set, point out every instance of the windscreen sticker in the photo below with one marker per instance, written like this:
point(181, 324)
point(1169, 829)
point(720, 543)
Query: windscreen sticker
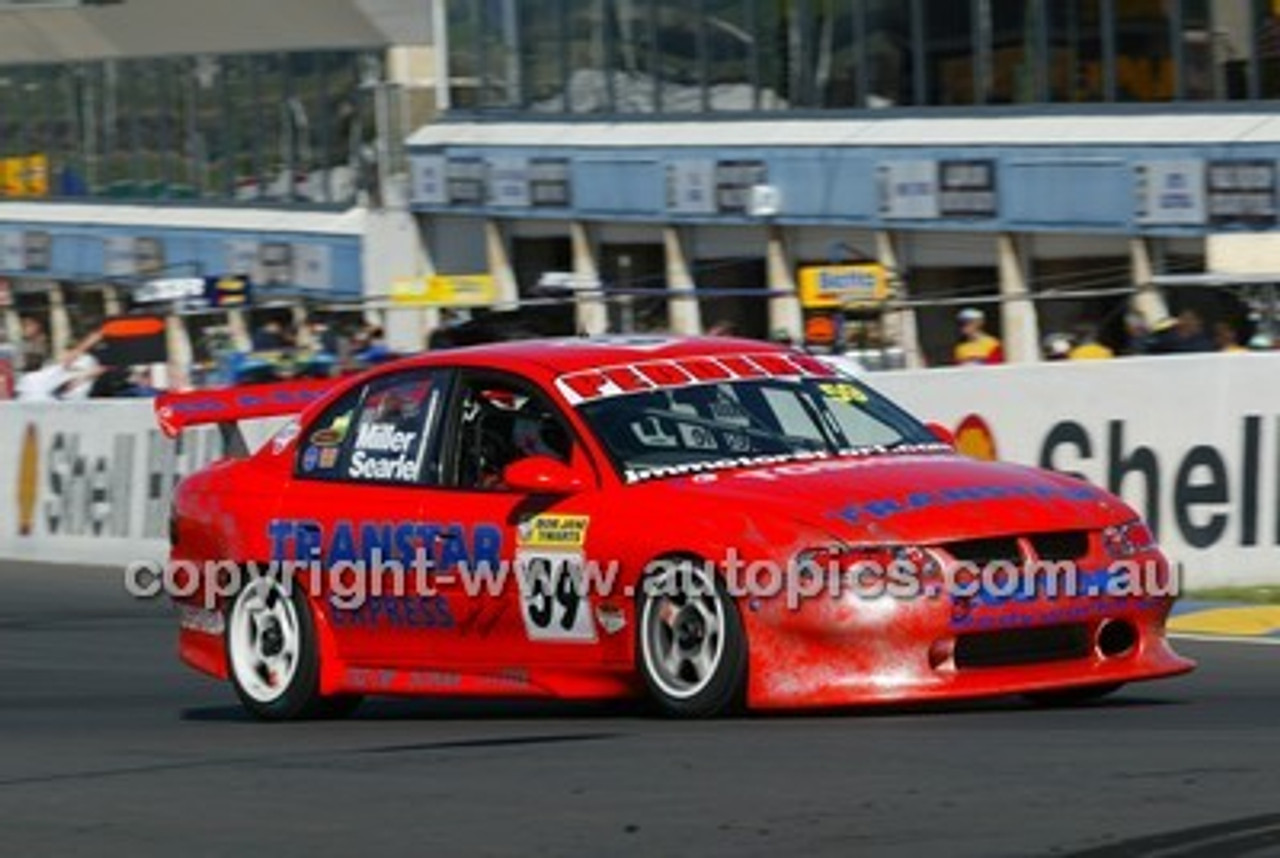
point(330, 437)
point(843, 391)
point(592, 384)
point(790, 464)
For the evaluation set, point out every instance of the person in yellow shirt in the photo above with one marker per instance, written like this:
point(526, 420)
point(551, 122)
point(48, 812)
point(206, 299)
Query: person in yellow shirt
point(1088, 347)
point(1227, 339)
point(976, 346)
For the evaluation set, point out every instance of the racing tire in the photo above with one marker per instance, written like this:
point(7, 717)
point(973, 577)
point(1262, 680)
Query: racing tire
point(1073, 696)
point(692, 647)
point(273, 658)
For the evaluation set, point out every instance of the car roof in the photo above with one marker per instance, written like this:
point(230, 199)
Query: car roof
point(571, 354)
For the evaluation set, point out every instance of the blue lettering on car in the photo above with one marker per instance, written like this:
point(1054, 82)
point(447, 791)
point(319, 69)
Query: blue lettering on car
point(443, 546)
point(882, 508)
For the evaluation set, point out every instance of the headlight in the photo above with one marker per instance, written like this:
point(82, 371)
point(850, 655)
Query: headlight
point(866, 562)
point(1128, 539)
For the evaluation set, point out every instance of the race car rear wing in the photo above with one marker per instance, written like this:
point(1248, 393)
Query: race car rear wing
point(227, 406)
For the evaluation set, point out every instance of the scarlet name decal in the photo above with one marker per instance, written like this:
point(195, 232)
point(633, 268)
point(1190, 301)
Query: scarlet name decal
point(591, 384)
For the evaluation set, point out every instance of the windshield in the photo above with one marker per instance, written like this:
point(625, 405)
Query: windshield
point(675, 430)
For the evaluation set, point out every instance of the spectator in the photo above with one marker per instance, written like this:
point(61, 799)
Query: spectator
point(976, 346)
point(1189, 334)
point(782, 337)
point(1057, 346)
point(35, 345)
point(1227, 338)
point(1088, 347)
point(69, 378)
point(1137, 334)
point(119, 382)
point(270, 337)
point(371, 346)
point(324, 338)
point(1162, 339)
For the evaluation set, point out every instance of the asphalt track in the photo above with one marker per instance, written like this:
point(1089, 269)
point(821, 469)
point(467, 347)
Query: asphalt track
point(108, 746)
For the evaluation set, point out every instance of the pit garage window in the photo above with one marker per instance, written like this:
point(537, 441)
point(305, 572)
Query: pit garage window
point(382, 432)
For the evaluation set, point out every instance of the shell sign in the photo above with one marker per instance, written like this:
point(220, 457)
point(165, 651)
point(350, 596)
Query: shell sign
point(975, 439)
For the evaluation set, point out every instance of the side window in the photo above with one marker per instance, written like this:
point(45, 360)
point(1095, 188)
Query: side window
point(320, 447)
point(501, 422)
point(379, 433)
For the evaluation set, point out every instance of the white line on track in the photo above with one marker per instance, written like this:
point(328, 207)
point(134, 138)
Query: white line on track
point(1235, 639)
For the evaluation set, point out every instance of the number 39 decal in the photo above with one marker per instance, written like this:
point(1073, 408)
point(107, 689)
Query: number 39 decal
point(552, 597)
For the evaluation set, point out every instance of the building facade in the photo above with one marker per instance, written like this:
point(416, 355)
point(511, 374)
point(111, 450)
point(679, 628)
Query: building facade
point(855, 170)
point(153, 140)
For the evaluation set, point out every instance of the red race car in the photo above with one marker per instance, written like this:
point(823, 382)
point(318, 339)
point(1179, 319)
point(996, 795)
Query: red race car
point(715, 523)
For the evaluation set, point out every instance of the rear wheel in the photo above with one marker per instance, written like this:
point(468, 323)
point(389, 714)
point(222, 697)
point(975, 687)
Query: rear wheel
point(1072, 696)
point(693, 653)
point(273, 657)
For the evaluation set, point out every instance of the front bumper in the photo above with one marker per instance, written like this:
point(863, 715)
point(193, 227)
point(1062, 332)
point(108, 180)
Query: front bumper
point(845, 651)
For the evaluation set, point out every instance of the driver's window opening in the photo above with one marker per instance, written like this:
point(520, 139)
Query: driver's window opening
point(501, 424)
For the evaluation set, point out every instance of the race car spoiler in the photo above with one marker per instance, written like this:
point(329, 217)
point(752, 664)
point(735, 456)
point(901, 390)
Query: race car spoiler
point(226, 407)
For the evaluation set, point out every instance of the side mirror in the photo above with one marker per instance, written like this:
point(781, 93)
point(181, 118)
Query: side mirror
point(941, 432)
point(542, 475)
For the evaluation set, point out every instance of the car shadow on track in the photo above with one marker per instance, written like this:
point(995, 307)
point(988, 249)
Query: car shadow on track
point(428, 709)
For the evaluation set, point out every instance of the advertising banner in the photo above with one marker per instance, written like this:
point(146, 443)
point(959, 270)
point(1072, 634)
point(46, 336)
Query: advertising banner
point(445, 290)
point(90, 482)
point(8, 372)
point(824, 287)
point(1192, 443)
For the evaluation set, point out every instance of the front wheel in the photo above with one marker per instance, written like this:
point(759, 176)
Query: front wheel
point(273, 656)
point(693, 652)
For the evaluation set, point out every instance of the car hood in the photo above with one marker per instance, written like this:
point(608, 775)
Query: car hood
point(910, 498)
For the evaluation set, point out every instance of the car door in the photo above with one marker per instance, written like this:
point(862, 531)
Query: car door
point(352, 513)
point(531, 610)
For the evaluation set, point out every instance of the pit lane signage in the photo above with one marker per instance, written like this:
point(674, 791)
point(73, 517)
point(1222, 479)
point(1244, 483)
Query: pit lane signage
point(429, 178)
point(908, 190)
point(1169, 193)
point(930, 190)
point(707, 186)
point(967, 189)
point(466, 181)
point(1242, 192)
point(826, 287)
point(37, 250)
point(503, 182)
point(127, 256)
point(734, 181)
point(508, 180)
point(549, 183)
